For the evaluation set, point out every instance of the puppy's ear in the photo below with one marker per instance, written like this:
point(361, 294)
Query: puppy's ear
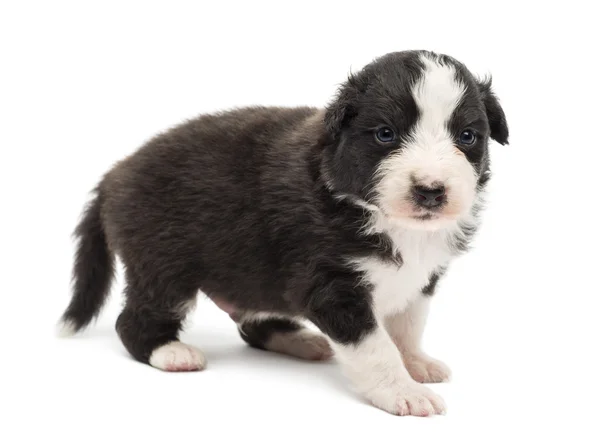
point(495, 114)
point(343, 107)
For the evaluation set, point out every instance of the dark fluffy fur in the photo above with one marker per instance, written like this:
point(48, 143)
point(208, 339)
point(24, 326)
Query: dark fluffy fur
point(241, 205)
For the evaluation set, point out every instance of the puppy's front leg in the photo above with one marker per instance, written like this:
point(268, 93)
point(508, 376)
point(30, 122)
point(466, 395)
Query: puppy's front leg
point(367, 353)
point(407, 330)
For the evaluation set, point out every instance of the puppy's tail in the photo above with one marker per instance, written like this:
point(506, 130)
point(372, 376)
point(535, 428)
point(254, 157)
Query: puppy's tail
point(93, 271)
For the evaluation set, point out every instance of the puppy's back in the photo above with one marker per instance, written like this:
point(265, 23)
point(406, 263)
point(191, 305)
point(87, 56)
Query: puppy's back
point(197, 192)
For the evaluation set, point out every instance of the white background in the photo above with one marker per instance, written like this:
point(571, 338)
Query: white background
point(83, 86)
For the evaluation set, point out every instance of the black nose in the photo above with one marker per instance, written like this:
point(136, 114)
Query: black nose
point(429, 197)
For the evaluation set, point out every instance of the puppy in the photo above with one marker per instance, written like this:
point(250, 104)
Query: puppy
point(345, 216)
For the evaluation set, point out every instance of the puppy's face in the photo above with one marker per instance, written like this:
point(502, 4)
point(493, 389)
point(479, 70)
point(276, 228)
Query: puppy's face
point(410, 136)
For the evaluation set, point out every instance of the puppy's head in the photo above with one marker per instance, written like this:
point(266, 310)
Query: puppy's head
point(409, 135)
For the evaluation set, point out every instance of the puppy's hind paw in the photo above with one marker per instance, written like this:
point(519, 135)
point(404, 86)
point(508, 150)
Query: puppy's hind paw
point(303, 344)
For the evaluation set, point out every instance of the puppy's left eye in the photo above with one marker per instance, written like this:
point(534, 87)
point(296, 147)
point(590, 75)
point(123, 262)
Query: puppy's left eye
point(467, 137)
point(385, 135)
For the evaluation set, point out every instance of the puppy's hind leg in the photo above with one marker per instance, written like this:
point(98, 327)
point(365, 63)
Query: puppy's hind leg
point(283, 335)
point(149, 326)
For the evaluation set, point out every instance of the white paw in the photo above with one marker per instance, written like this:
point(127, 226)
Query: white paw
point(410, 399)
point(177, 356)
point(425, 369)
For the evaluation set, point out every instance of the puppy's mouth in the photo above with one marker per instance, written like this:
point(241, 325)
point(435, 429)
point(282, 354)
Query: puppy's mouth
point(419, 214)
point(418, 217)
point(423, 220)
point(426, 216)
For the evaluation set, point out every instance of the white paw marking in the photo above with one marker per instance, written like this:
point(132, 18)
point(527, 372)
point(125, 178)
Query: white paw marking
point(409, 399)
point(375, 367)
point(177, 356)
point(425, 369)
point(303, 344)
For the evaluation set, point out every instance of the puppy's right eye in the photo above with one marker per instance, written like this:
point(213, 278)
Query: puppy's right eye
point(385, 135)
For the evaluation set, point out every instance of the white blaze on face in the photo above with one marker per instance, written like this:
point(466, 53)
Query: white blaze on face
point(429, 156)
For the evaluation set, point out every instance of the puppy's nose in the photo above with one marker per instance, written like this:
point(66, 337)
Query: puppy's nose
point(428, 197)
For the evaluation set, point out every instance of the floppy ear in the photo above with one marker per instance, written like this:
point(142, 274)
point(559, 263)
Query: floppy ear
point(342, 109)
point(495, 114)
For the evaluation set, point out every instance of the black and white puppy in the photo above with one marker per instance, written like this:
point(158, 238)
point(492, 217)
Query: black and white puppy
point(345, 217)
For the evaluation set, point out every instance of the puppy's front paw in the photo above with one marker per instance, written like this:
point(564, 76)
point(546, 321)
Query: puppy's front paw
point(425, 369)
point(410, 399)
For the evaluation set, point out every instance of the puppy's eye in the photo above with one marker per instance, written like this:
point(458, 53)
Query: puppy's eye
point(467, 137)
point(385, 135)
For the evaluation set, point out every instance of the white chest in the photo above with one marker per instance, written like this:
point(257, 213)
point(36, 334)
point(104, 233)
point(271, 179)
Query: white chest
point(394, 287)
